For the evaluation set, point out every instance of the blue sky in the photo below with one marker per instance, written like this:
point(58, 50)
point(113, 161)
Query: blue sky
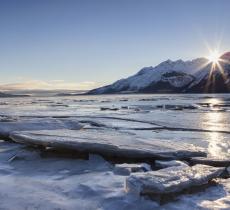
point(86, 43)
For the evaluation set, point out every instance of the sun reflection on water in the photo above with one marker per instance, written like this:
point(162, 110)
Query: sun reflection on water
point(214, 101)
point(218, 145)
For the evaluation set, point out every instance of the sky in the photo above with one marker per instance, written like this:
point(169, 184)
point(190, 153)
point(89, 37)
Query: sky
point(82, 44)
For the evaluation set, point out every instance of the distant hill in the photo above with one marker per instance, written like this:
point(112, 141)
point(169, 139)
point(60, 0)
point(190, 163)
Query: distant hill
point(6, 95)
point(41, 93)
point(196, 76)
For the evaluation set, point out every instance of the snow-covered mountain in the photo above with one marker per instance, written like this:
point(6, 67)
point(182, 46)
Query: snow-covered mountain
point(213, 79)
point(174, 77)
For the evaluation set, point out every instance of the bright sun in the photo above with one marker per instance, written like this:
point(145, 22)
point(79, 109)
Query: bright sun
point(214, 57)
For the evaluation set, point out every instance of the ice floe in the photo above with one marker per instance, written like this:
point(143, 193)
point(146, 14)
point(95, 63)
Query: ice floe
point(37, 124)
point(171, 180)
point(108, 143)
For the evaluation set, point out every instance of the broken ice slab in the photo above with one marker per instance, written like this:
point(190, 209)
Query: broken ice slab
point(227, 172)
point(171, 163)
point(110, 109)
point(171, 180)
point(126, 169)
point(221, 204)
point(108, 143)
point(217, 162)
point(114, 123)
point(37, 124)
point(177, 107)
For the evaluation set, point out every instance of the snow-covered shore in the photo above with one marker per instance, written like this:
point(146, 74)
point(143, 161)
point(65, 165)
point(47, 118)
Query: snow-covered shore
point(131, 128)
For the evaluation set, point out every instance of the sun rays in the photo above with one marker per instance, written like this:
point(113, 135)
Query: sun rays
point(214, 57)
point(216, 62)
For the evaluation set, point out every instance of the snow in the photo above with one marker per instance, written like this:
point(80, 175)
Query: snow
point(56, 183)
point(179, 81)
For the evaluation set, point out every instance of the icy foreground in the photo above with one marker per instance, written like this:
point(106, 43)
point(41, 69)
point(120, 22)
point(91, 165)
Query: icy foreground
point(31, 181)
point(133, 136)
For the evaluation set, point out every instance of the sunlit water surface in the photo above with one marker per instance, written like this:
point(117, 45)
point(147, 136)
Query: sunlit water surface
point(202, 120)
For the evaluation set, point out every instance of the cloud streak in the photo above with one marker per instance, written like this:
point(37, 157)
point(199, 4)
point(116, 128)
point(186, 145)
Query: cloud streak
point(48, 85)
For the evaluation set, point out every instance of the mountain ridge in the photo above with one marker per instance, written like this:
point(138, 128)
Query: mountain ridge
point(193, 76)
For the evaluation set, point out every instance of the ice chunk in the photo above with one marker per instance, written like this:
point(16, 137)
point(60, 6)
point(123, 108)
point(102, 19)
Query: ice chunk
point(110, 109)
point(37, 124)
point(211, 161)
point(24, 154)
point(125, 169)
point(108, 143)
point(228, 171)
point(166, 164)
point(171, 180)
point(222, 203)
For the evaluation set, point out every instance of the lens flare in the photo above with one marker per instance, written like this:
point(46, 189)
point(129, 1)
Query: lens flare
point(217, 61)
point(214, 57)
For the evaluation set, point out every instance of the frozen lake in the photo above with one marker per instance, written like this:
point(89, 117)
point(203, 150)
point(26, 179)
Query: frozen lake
point(33, 180)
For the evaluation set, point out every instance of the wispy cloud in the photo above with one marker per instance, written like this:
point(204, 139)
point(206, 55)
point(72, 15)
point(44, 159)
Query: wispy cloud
point(48, 85)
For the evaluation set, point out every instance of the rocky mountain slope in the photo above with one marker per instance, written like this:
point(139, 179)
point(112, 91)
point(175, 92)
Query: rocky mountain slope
point(196, 76)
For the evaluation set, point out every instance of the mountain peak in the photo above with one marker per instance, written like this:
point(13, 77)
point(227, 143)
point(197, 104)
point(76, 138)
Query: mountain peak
point(169, 76)
point(144, 70)
point(226, 56)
